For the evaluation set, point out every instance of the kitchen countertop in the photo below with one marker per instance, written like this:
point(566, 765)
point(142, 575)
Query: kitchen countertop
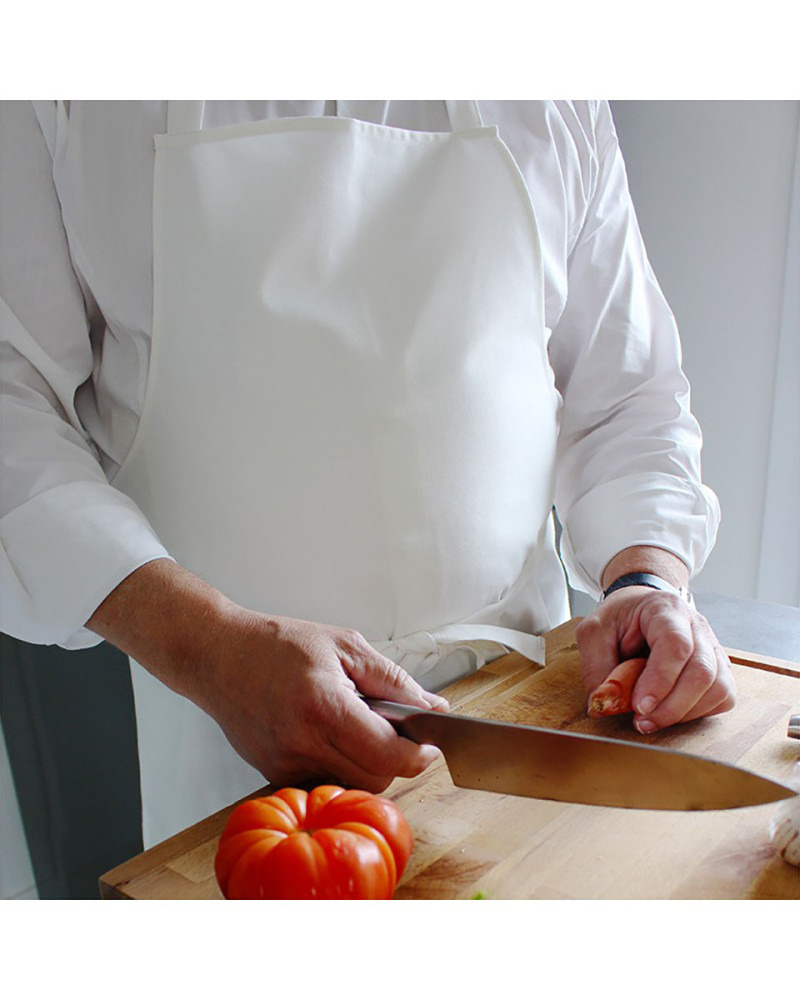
point(768, 629)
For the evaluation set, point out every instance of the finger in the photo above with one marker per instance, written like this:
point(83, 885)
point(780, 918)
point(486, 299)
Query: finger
point(354, 774)
point(330, 767)
point(371, 745)
point(599, 649)
point(694, 688)
point(668, 630)
point(721, 696)
point(351, 752)
point(378, 677)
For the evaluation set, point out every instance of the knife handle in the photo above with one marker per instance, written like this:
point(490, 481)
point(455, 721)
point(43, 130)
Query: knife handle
point(392, 711)
point(794, 727)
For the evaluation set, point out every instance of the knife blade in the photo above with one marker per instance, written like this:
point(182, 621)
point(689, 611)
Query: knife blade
point(577, 767)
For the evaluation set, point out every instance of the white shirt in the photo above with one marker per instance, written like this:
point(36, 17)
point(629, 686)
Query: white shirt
point(76, 326)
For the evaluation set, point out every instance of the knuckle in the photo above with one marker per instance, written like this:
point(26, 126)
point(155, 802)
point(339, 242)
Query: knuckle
point(728, 685)
point(701, 624)
point(352, 637)
point(724, 661)
point(725, 705)
point(399, 676)
point(679, 645)
point(588, 627)
point(704, 668)
point(666, 609)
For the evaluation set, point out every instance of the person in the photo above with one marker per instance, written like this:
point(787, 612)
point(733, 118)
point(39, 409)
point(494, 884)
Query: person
point(303, 440)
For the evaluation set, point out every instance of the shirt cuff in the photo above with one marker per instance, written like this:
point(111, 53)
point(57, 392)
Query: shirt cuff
point(63, 552)
point(668, 513)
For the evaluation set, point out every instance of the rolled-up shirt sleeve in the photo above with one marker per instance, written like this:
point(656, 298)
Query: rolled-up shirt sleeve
point(68, 537)
point(628, 470)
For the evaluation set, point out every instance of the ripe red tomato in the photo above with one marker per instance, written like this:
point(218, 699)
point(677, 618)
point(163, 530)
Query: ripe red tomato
point(325, 844)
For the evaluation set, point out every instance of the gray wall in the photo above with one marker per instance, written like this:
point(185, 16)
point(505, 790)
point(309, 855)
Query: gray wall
point(712, 182)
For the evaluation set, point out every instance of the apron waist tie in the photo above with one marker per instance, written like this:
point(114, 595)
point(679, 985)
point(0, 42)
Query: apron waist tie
point(419, 652)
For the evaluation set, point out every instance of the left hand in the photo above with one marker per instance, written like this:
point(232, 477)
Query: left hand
point(688, 674)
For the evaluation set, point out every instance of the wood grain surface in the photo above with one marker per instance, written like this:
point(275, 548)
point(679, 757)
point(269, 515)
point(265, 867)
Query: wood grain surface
point(505, 847)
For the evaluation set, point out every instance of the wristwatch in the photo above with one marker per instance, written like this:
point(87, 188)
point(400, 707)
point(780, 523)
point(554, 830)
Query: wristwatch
point(648, 580)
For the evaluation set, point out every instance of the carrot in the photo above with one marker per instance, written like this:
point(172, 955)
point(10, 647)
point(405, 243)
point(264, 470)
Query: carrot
point(613, 696)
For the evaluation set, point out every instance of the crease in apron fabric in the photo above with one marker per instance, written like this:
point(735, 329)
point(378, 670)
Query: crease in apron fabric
point(350, 416)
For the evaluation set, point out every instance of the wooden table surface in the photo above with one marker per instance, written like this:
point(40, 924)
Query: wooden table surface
point(468, 842)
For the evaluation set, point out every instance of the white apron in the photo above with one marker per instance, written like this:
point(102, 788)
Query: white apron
point(350, 416)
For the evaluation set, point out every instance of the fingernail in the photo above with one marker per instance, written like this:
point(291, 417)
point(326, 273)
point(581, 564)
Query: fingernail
point(645, 726)
point(646, 705)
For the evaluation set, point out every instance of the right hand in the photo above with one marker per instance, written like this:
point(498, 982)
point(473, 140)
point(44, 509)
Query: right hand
point(285, 695)
point(283, 690)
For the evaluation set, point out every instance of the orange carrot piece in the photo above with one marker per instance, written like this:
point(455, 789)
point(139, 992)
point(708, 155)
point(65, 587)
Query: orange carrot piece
point(613, 696)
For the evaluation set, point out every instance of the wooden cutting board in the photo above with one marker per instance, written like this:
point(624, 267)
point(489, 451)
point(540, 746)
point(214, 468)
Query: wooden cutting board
point(469, 842)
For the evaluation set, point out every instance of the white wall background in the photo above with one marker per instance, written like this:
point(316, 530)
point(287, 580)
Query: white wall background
point(715, 189)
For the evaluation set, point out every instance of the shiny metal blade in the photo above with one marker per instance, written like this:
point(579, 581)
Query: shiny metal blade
point(576, 767)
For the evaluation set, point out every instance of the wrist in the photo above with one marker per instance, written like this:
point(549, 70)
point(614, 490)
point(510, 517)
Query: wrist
point(648, 581)
point(171, 622)
point(646, 559)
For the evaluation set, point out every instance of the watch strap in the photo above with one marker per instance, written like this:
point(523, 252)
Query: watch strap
point(647, 580)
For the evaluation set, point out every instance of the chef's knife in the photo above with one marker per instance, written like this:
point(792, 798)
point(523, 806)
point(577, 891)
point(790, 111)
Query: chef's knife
point(576, 767)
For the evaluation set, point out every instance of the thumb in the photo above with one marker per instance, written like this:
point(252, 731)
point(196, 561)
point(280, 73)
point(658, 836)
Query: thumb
point(378, 677)
point(598, 648)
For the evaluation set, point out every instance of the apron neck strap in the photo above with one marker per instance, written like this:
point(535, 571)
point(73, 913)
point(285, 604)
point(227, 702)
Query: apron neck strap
point(187, 116)
point(464, 115)
point(184, 116)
